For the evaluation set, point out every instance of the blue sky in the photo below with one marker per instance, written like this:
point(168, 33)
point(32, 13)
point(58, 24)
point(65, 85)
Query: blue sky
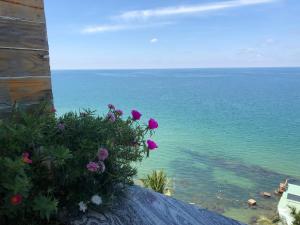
point(102, 34)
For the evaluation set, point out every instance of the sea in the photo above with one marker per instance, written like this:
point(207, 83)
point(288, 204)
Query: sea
point(225, 135)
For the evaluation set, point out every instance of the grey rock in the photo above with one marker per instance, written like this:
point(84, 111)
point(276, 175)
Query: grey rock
point(140, 206)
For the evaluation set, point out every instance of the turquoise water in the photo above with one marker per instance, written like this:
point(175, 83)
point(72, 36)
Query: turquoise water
point(225, 135)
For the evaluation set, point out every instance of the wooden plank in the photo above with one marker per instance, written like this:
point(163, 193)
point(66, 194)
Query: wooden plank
point(26, 90)
point(20, 63)
point(24, 56)
point(14, 33)
point(18, 11)
point(142, 206)
point(28, 3)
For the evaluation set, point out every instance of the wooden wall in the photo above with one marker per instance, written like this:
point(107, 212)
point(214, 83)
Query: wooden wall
point(24, 54)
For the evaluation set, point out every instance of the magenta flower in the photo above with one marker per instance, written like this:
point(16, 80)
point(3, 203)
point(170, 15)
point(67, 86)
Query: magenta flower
point(151, 145)
point(93, 167)
point(119, 112)
point(102, 154)
point(25, 158)
point(152, 124)
point(16, 199)
point(136, 115)
point(111, 117)
point(111, 106)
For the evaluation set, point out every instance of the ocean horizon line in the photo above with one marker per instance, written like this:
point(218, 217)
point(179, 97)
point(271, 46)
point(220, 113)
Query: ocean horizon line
point(174, 68)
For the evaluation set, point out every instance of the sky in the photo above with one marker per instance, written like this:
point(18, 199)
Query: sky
point(128, 34)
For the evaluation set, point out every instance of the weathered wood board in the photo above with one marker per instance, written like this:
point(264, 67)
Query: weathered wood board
point(4, 94)
point(20, 63)
point(21, 11)
point(31, 3)
point(24, 56)
point(144, 207)
point(21, 34)
point(25, 90)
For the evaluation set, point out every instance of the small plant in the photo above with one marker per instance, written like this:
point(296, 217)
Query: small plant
point(265, 221)
point(295, 215)
point(157, 181)
point(52, 167)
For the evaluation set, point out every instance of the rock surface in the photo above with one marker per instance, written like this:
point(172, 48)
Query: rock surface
point(267, 194)
point(144, 207)
point(252, 202)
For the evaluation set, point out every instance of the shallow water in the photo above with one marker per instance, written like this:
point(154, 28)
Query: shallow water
point(225, 135)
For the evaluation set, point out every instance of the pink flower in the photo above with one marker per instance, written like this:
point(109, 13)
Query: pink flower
point(136, 115)
point(93, 167)
point(111, 106)
point(111, 117)
point(152, 124)
point(16, 199)
point(25, 158)
point(119, 112)
point(151, 145)
point(102, 154)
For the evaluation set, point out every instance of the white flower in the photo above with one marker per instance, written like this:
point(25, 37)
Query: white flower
point(82, 206)
point(96, 199)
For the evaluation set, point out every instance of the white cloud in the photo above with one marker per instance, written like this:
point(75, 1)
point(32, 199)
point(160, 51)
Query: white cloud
point(126, 22)
point(258, 51)
point(104, 28)
point(153, 40)
point(251, 52)
point(118, 27)
point(269, 41)
point(248, 50)
point(191, 9)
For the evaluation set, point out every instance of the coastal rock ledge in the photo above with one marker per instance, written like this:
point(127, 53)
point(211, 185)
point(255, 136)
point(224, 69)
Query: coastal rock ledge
point(140, 206)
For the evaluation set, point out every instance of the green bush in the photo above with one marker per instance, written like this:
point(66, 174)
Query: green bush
point(295, 215)
point(157, 181)
point(54, 166)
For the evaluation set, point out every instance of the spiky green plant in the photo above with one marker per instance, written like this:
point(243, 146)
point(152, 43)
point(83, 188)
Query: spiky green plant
point(157, 181)
point(295, 215)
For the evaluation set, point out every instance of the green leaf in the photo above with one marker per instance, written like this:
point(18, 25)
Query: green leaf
point(157, 181)
point(59, 155)
point(14, 180)
point(45, 206)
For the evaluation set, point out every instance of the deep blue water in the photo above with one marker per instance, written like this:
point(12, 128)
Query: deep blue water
point(225, 134)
